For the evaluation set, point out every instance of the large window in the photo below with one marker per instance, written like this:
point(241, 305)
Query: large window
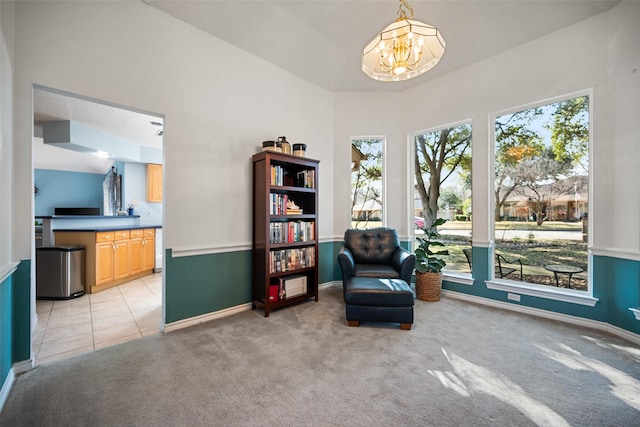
point(442, 184)
point(366, 182)
point(541, 193)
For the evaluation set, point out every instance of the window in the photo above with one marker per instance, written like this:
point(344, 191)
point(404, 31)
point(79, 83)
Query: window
point(367, 200)
point(541, 192)
point(442, 188)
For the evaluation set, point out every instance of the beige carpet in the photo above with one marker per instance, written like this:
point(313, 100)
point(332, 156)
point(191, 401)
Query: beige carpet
point(461, 365)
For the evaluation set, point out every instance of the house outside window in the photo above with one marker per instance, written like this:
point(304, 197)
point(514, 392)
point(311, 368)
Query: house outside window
point(442, 188)
point(367, 185)
point(541, 193)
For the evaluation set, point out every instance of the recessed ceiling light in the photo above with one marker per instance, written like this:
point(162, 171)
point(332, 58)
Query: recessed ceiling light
point(102, 154)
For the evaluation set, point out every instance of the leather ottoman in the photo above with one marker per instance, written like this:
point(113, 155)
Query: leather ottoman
point(370, 299)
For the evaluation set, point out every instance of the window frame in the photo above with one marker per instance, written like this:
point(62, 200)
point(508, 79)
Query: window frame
point(448, 275)
point(383, 139)
point(513, 287)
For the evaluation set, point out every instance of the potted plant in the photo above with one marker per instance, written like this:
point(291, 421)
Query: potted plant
point(428, 262)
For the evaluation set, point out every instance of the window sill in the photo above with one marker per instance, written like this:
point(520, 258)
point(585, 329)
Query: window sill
point(636, 312)
point(461, 278)
point(564, 295)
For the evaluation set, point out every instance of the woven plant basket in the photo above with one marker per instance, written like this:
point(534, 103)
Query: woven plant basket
point(428, 286)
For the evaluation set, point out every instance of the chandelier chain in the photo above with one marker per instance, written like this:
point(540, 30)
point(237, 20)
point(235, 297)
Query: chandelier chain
point(402, 14)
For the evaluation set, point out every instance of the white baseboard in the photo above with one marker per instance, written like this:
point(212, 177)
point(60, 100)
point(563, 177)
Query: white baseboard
point(6, 388)
point(327, 285)
point(24, 366)
point(574, 320)
point(185, 323)
point(16, 369)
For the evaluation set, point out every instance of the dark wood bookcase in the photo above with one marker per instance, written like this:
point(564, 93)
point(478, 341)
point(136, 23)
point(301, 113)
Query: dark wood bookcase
point(285, 240)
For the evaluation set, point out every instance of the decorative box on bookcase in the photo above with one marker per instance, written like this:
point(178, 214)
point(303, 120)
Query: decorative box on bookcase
point(285, 227)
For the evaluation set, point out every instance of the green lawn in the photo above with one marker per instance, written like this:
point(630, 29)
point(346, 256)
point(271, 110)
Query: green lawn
point(534, 256)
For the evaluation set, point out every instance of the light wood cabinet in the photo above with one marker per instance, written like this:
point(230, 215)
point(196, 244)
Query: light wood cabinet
point(113, 257)
point(143, 250)
point(104, 262)
point(135, 258)
point(154, 183)
point(149, 249)
point(121, 248)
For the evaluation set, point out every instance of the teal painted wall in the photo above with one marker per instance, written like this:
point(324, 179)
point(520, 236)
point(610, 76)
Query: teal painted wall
point(15, 330)
point(201, 284)
point(22, 312)
point(329, 269)
point(616, 283)
point(6, 328)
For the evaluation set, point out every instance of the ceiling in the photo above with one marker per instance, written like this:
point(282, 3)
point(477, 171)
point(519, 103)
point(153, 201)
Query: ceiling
point(138, 128)
point(321, 42)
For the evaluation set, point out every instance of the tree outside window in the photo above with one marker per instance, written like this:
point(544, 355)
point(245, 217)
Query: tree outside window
point(541, 189)
point(366, 182)
point(443, 187)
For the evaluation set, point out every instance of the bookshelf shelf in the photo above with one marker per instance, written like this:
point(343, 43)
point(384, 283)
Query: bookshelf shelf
point(285, 244)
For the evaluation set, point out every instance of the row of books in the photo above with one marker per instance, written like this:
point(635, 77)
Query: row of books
point(291, 259)
point(280, 204)
point(306, 178)
point(277, 175)
point(292, 231)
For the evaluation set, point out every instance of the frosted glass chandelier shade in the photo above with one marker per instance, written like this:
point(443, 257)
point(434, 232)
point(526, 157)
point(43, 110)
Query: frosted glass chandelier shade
point(403, 50)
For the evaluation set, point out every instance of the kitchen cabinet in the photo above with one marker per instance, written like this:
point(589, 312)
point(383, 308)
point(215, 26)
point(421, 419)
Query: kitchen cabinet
point(113, 257)
point(154, 183)
point(149, 249)
point(121, 248)
point(104, 262)
point(143, 251)
point(135, 258)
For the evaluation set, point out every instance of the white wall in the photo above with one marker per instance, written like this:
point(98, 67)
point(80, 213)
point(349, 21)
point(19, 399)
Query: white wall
point(598, 54)
point(622, 134)
point(6, 135)
point(370, 114)
point(218, 103)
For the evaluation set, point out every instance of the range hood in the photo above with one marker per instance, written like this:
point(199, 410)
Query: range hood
point(77, 137)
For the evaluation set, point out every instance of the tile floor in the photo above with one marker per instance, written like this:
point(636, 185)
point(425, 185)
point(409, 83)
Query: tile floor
point(90, 322)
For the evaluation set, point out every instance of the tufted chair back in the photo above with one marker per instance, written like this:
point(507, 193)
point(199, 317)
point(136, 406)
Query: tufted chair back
point(372, 246)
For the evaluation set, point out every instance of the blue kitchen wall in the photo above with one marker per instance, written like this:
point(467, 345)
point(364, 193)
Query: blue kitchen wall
point(66, 189)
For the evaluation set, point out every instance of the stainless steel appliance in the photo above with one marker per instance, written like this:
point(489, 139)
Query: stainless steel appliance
point(59, 272)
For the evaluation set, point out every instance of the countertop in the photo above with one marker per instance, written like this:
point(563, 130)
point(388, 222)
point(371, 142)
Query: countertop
point(86, 216)
point(110, 228)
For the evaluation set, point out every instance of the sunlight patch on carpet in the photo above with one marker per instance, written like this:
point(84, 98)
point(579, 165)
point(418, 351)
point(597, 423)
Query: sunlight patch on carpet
point(469, 378)
point(623, 386)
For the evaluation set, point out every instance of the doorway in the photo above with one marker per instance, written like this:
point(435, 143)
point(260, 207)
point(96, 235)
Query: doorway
point(69, 174)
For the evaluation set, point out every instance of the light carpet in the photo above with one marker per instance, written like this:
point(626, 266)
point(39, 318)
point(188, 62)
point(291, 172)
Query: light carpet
point(462, 364)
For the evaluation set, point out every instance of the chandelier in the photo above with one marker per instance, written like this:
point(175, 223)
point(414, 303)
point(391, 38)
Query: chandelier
point(404, 49)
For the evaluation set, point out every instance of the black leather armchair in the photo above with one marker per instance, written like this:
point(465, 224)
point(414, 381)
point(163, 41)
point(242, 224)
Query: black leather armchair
point(377, 253)
point(376, 273)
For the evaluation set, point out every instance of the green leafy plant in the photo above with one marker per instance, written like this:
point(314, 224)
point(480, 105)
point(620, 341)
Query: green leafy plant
point(427, 259)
